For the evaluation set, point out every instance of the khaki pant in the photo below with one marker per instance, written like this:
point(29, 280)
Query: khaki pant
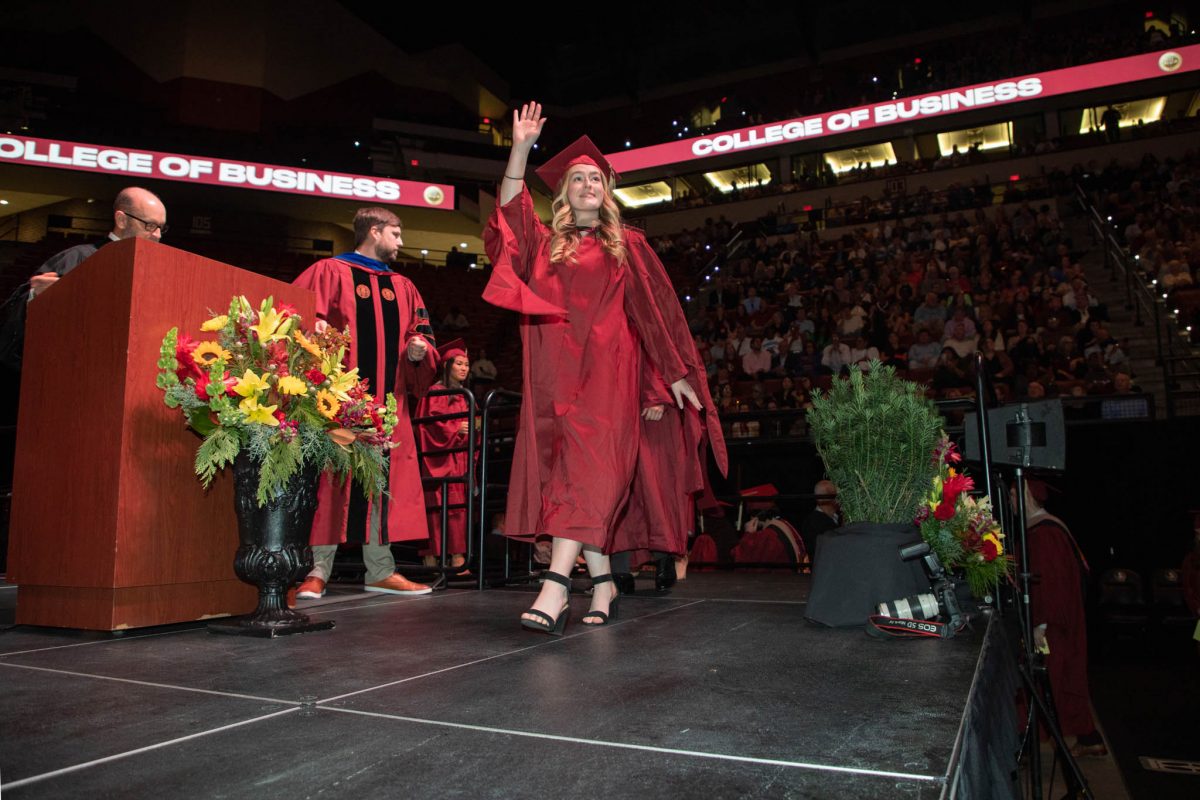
point(377, 558)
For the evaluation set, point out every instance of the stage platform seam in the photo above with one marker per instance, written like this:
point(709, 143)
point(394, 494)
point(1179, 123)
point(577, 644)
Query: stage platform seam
point(557, 640)
point(138, 751)
point(154, 685)
point(648, 748)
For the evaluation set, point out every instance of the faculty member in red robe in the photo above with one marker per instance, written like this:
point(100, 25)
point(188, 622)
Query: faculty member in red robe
point(590, 290)
point(449, 433)
point(1056, 605)
point(393, 349)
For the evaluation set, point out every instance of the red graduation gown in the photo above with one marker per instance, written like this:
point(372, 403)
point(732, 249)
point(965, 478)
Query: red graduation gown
point(584, 327)
point(383, 311)
point(1056, 600)
point(436, 436)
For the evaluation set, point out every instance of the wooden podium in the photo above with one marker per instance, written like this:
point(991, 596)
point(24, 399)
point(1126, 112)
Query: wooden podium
point(110, 527)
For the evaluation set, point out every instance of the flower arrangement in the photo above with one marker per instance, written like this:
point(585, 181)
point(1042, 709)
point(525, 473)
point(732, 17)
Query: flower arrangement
point(959, 528)
point(264, 387)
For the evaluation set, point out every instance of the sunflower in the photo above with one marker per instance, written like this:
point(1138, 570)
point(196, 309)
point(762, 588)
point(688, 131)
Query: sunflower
point(327, 404)
point(307, 344)
point(208, 353)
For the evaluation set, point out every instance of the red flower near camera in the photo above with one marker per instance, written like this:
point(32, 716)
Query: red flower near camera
point(944, 511)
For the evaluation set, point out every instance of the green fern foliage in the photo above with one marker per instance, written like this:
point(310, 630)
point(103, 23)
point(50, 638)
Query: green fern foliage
point(875, 432)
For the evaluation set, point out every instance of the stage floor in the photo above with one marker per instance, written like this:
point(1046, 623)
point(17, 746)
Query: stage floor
point(719, 690)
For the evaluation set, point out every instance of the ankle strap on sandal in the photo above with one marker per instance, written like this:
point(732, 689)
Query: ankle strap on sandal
point(606, 578)
point(558, 578)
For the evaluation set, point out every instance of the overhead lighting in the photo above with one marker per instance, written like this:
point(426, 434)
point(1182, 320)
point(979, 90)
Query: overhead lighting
point(988, 137)
point(463, 245)
point(1133, 112)
point(646, 194)
point(424, 252)
point(3, 202)
point(747, 177)
point(875, 154)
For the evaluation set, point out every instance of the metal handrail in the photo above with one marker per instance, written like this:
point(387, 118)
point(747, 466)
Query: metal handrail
point(1144, 296)
point(443, 483)
point(496, 400)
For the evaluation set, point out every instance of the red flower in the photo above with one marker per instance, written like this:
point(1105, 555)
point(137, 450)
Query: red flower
point(279, 415)
point(922, 514)
point(188, 368)
point(955, 486)
point(944, 511)
point(202, 386)
point(989, 550)
point(277, 353)
point(287, 309)
point(316, 376)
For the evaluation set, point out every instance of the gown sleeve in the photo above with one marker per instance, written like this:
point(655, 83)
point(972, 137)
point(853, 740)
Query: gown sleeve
point(653, 308)
point(514, 240)
point(415, 377)
point(443, 433)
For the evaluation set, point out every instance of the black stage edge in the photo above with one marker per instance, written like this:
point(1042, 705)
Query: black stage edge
point(719, 690)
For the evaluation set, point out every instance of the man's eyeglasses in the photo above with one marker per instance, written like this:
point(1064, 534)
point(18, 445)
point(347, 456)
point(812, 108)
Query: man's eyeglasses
point(151, 227)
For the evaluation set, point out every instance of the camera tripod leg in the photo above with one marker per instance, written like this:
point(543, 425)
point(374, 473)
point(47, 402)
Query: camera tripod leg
point(1041, 706)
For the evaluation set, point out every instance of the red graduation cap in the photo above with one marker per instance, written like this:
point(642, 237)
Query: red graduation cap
point(451, 349)
point(581, 151)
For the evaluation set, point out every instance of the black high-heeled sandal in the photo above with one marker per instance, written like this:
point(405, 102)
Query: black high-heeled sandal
point(611, 614)
point(555, 626)
point(664, 574)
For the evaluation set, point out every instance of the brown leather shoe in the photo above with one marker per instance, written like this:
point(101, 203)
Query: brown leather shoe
point(398, 584)
point(311, 589)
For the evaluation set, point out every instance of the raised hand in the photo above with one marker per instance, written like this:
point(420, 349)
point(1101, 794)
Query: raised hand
point(527, 126)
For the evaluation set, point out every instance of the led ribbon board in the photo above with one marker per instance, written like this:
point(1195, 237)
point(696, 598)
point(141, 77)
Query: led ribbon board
point(955, 101)
point(30, 151)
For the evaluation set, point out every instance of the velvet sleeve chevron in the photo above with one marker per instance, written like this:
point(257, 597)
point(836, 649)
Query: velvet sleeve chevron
point(423, 327)
point(417, 376)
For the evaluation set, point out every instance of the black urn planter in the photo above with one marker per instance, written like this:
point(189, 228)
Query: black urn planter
point(273, 553)
point(858, 566)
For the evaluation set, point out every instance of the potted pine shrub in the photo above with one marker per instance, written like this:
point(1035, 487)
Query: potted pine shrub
point(875, 433)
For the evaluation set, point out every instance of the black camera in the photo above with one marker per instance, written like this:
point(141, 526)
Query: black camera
point(940, 601)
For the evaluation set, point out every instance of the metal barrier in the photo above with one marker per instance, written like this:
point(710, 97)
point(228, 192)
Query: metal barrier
point(443, 483)
point(499, 404)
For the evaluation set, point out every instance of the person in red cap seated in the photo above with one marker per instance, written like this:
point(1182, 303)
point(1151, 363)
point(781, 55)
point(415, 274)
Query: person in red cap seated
point(441, 435)
point(594, 297)
point(392, 346)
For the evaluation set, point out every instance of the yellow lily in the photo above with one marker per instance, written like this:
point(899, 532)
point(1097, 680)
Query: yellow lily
point(269, 324)
point(263, 415)
point(342, 382)
point(250, 385)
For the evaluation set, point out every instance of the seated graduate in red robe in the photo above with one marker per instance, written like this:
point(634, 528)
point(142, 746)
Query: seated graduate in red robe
point(442, 435)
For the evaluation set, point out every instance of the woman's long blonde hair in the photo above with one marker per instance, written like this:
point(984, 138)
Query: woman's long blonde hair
point(564, 238)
